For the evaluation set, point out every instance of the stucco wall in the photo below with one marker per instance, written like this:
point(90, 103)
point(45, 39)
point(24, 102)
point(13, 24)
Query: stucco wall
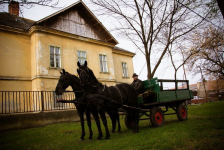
point(45, 78)
point(25, 60)
point(15, 54)
point(118, 59)
point(15, 61)
point(15, 85)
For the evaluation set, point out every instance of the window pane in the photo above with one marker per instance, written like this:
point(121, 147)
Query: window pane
point(51, 50)
point(79, 55)
point(100, 57)
point(79, 59)
point(104, 58)
point(105, 66)
point(84, 60)
point(57, 50)
point(84, 55)
point(52, 60)
point(55, 57)
point(101, 66)
point(57, 61)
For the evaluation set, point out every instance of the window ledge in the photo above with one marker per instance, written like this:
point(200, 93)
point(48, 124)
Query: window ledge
point(104, 72)
point(126, 77)
point(56, 68)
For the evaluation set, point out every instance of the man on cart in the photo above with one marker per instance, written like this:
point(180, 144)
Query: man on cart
point(137, 83)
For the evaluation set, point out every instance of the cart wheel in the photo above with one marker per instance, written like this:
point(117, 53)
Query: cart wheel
point(157, 117)
point(181, 112)
point(129, 122)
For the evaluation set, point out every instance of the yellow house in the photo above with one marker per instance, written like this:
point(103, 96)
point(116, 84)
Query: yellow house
point(33, 52)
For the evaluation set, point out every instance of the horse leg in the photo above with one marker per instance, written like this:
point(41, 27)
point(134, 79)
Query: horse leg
point(118, 121)
point(104, 120)
point(80, 113)
point(136, 121)
point(96, 117)
point(89, 124)
point(113, 119)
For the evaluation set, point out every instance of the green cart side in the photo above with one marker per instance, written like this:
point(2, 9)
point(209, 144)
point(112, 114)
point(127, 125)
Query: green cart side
point(155, 87)
point(154, 98)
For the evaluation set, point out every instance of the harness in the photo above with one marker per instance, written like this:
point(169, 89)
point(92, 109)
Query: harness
point(83, 71)
point(60, 85)
point(111, 100)
point(120, 94)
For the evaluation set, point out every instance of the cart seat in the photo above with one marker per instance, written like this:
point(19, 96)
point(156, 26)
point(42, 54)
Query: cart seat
point(150, 88)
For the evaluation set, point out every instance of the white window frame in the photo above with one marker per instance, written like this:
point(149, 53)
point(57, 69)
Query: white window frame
point(103, 63)
point(124, 69)
point(54, 56)
point(81, 59)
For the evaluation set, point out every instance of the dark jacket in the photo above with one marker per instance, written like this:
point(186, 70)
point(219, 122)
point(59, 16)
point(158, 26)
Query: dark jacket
point(138, 85)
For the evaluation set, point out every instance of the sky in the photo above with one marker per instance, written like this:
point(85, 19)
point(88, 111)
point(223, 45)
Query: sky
point(164, 71)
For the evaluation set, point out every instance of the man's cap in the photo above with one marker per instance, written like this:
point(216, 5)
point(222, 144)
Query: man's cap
point(134, 75)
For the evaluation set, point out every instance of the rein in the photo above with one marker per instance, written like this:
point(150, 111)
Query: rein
point(119, 93)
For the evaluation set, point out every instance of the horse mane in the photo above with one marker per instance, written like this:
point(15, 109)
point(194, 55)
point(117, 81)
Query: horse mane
point(74, 78)
point(94, 77)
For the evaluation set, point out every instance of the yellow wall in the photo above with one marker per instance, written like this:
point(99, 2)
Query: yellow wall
point(69, 48)
point(15, 54)
point(25, 60)
point(118, 59)
point(15, 61)
point(15, 85)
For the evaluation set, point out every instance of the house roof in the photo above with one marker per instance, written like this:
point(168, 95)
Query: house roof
point(88, 14)
point(23, 23)
point(123, 50)
point(15, 21)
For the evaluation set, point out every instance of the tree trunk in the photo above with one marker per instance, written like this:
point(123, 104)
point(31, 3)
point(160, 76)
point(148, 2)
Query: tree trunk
point(221, 6)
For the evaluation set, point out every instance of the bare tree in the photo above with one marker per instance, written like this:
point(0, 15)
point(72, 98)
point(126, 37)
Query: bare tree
point(181, 52)
point(221, 6)
point(208, 50)
point(152, 25)
point(32, 3)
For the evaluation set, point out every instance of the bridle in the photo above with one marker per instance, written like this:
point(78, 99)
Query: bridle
point(60, 85)
point(85, 72)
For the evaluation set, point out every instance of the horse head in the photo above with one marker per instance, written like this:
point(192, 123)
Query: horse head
point(66, 80)
point(83, 72)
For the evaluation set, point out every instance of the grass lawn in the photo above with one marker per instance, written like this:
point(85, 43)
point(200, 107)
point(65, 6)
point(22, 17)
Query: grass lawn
point(204, 129)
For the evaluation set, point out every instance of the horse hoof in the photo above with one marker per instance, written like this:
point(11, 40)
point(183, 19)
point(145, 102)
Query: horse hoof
point(107, 138)
point(81, 139)
point(98, 138)
point(113, 131)
point(90, 138)
point(119, 131)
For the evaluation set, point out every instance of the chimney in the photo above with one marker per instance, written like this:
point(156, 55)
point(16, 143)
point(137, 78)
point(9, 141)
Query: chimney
point(14, 8)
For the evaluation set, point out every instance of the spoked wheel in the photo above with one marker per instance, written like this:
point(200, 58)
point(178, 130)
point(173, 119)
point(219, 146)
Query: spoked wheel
point(181, 112)
point(129, 122)
point(157, 117)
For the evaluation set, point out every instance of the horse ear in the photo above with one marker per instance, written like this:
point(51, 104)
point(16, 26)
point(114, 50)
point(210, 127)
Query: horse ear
point(60, 72)
point(85, 63)
point(78, 64)
point(63, 70)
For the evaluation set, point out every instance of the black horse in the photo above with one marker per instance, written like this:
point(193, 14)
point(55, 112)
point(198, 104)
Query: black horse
point(113, 97)
point(66, 80)
point(82, 104)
